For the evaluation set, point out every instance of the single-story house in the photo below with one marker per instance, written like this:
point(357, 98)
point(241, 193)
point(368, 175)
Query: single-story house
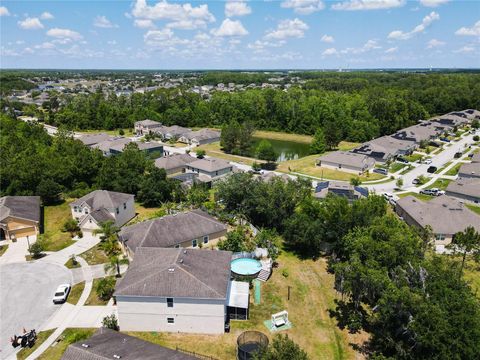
point(100, 206)
point(452, 119)
point(183, 230)
point(171, 132)
point(338, 188)
point(92, 139)
point(147, 147)
point(106, 146)
point(446, 216)
point(347, 161)
point(110, 344)
point(386, 148)
point(20, 216)
point(145, 127)
point(174, 163)
point(200, 137)
point(175, 290)
point(469, 170)
point(465, 188)
point(426, 130)
point(210, 169)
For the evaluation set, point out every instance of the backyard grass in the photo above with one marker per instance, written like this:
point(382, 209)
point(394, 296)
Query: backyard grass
point(414, 157)
point(143, 213)
point(3, 248)
point(128, 132)
point(443, 167)
point(55, 217)
point(93, 299)
point(75, 293)
point(274, 135)
point(94, 256)
point(213, 149)
point(306, 166)
point(440, 184)
point(41, 337)
point(311, 296)
point(396, 166)
point(454, 170)
point(67, 337)
point(474, 208)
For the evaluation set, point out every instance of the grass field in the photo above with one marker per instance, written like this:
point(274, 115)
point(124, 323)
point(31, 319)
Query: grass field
point(214, 150)
point(454, 170)
point(474, 208)
point(396, 166)
point(75, 293)
point(471, 273)
point(418, 196)
point(128, 132)
point(55, 217)
point(274, 135)
point(306, 165)
point(94, 256)
point(68, 336)
point(41, 337)
point(3, 248)
point(414, 157)
point(440, 184)
point(144, 213)
point(311, 297)
point(93, 299)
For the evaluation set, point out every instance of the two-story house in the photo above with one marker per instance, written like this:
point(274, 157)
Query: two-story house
point(145, 127)
point(101, 206)
point(210, 169)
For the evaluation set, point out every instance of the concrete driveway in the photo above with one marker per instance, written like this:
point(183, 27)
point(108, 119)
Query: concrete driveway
point(26, 297)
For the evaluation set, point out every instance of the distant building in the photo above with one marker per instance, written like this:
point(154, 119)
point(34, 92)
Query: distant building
point(174, 163)
point(346, 161)
point(200, 137)
point(338, 188)
point(147, 147)
point(20, 216)
point(171, 132)
point(145, 127)
point(467, 189)
point(386, 148)
point(210, 169)
point(93, 139)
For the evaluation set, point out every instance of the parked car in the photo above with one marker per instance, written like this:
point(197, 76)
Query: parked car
point(61, 294)
point(427, 161)
point(432, 169)
point(427, 192)
point(402, 160)
point(471, 155)
point(457, 155)
point(438, 192)
point(434, 144)
point(380, 171)
point(445, 140)
point(415, 181)
point(392, 202)
point(387, 196)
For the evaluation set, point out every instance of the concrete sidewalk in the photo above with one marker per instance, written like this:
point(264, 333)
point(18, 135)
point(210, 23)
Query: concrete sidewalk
point(98, 271)
point(80, 246)
point(16, 251)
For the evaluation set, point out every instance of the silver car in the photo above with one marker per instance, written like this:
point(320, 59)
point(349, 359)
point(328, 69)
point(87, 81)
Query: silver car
point(61, 294)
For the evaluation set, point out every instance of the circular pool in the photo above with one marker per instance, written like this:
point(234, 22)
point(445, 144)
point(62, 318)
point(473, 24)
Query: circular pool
point(246, 267)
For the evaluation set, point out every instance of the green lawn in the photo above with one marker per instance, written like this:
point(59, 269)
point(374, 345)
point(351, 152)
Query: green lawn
point(454, 170)
point(443, 167)
point(93, 299)
point(95, 255)
point(474, 208)
point(70, 265)
point(418, 196)
point(41, 337)
point(67, 337)
point(396, 166)
point(414, 157)
point(75, 293)
point(55, 217)
point(440, 184)
point(3, 248)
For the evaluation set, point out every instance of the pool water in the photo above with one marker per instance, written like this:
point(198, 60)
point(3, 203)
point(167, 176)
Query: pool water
point(246, 266)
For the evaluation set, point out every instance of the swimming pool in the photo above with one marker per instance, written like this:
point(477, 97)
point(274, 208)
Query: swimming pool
point(246, 266)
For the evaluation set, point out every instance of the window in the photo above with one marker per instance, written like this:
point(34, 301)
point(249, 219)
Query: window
point(86, 211)
point(194, 243)
point(170, 320)
point(169, 302)
point(205, 239)
point(440, 237)
point(117, 210)
point(124, 206)
point(75, 208)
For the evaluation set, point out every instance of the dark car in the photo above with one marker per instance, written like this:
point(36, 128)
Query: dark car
point(402, 160)
point(415, 181)
point(457, 155)
point(432, 169)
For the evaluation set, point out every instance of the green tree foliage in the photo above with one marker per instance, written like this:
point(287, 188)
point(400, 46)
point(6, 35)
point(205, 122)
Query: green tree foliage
point(114, 263)
point(319, 144)
point(265, 151)
point(237, 138)
point(269, 239)
point(201, 153)
point(49, 191)
point(155, 188)
point(71, 226)
point(282, 348)
point(235, 240)
point(105, 288)
point(197, 195)
point(468, 242)
point(111, 322)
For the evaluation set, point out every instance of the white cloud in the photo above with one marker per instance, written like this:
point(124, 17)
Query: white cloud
point(434, 43)
point(4, 11)
point(30, 24)
point(183, 16)
point(64, 34)
point(101, 21)
point(433, 3)
point(465, 50)
point(46, 16)
point(260, 46)
point(330, 51)
point(368, 46)
point(391, 50)
point(144, 24)
point(28, 50)
point(112, 42)
point(46, 45)
point(237, 8)
point(288, 28)
point(427, 21)
point(230, 28)
point(473, 31)
point(327, 39)
point(303, 7)
point(354, 5)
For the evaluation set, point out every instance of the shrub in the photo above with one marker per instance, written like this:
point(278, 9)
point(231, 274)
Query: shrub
point(121, 132)
point(110, 322)
point(476, 138)
point(201, 153)
point(70, 226)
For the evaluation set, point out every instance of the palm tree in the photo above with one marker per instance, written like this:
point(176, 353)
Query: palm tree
point(114, 263)
point(108, 231)
point(467, 241)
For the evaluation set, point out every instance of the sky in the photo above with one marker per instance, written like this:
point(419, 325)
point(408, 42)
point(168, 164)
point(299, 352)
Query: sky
point(269, 34)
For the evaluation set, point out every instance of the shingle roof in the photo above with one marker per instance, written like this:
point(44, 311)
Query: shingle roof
point(147, 122)
point(105, 343)
point(106, 145)
point(173, 161)
point(348, 159)
point(181, 273)
point(170, 230)
point(476, 157)
point(210, 164)
point(24, 207)
point(99, 199)
point(465, 186)
point(470, 169)
point(91, 139)
point(203, 134)
point(445, 214)
point(339, 188)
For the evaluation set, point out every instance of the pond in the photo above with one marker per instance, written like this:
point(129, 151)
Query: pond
point(286, 150)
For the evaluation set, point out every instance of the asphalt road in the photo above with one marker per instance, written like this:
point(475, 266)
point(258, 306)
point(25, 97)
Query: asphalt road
point(26, 298)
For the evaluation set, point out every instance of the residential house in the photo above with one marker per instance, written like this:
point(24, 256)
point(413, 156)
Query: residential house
point(93, 139)
point(148, 147)
point(338, 188)
point(452, 119)
point(210, 169)
point(110, 344)
point(106, 146)
point(145, 127)
point(445, 215)
point(386, 148)
point(200, 137)
point(469, 170)
point(346, 161)
point(20, 216)
point(270, 176)
point(175, 290)
point(100, 206)
point(426, 130)
point(174, 163)
point(188, 229)
point(171, 132)
point(467, 189)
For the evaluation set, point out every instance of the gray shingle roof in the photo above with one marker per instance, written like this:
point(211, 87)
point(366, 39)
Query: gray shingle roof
point(465, 186)
point(210, 164)
point(347, 158)
point(181, 273)
point(173, 161)
point(92, 139)
point(470, 169)
point(100, 199)
point(203, 134)
point(148, 123)
point(24, 207)
point(445, 214)
point(105, 343)
point(170, 230)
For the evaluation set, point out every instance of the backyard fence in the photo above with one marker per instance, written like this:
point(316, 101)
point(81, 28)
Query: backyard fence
point(193, 353)
point(243, 254)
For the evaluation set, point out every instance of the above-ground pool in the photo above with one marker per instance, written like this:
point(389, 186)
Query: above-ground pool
point(246, 267)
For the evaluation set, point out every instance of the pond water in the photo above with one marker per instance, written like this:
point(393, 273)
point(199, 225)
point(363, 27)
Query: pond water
point(286, 150)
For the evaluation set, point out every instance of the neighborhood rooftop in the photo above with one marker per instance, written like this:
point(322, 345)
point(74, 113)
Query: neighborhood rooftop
point(465, 186)
point(348, 159)
point(470, 170)
point(210, 164)
point(174, 161)
point(178, 273)
point(99, 199)
point(110, 344)
point(24, 207)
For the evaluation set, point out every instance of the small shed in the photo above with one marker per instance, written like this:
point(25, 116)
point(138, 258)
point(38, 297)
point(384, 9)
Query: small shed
point(238, 300)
